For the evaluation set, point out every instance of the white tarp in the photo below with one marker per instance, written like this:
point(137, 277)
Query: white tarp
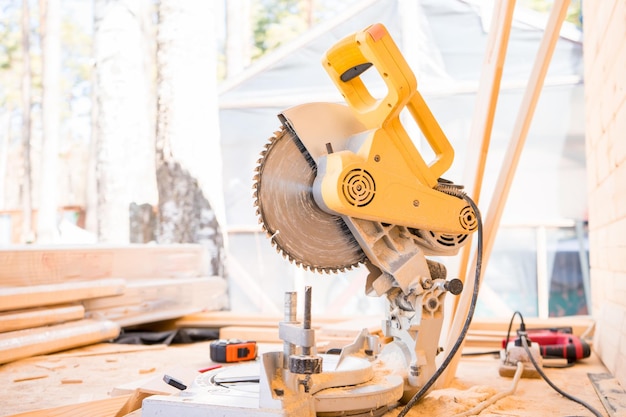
point(444, 41)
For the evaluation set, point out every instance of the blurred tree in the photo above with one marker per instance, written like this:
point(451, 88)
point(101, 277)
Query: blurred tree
point(238, 36)
point(49, 29)
point(9, 46)
point(187, 147)
point(27, 208)
point(123, 129)
point(278, 21)
point(72, 87)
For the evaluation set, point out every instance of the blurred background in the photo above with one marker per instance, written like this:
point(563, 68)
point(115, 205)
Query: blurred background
point(141, 122)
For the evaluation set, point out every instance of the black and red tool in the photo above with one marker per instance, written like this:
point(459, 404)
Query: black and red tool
point(232, 350)
point(558, 343)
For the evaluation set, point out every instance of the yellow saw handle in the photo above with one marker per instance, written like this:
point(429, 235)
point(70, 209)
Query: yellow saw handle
point(374, 47)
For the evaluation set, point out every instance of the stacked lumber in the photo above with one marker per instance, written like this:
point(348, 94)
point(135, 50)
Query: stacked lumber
point(60, 297)
point(484, 333)
point(331, 332)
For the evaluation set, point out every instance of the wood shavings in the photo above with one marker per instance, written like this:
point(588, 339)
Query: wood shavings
point(147, 371)
point(71, 381)
point(30, 378)
point(50, 366)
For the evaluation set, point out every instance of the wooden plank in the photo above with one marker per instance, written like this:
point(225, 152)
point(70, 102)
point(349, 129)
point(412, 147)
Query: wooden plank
point(258, 334)
point(106, 349)
point(41, 340)
point(160, 299)
point(40, 264)
point(216, 319)
point(610, 392)
point(13, 298)
point(202, 292)
point(484, 114)
point(107, 407)
point(507, 173)
point(141, 316)
point(36, 317)
point(581, 325)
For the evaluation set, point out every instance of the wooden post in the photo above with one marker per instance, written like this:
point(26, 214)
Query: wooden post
point(486, 100)
point(507, 172)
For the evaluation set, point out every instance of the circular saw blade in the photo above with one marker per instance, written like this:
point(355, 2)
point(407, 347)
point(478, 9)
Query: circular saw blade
point(297, 227)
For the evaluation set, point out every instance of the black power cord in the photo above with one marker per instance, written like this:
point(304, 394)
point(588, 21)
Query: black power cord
point(522, 329)
point(479, 259)
point(524, 338)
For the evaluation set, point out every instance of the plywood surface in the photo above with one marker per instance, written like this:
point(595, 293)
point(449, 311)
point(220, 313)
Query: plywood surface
point(476, 379)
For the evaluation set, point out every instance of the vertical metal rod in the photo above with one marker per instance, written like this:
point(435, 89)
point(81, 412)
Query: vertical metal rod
point(543, 277)
point(306, 325)
point(584, 263)
point(290, 317)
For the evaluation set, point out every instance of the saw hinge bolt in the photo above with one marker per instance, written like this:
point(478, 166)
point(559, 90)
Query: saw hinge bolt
point(432, 304)
point(427, 283)
point(454, 286)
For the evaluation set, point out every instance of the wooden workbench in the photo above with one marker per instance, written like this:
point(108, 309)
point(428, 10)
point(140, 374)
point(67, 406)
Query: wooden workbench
point(93, 373)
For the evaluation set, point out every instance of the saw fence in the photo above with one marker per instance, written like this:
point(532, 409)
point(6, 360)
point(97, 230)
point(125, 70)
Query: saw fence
point(57, 298)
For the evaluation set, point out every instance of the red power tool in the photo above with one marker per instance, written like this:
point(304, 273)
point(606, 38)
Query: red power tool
point(558, 343)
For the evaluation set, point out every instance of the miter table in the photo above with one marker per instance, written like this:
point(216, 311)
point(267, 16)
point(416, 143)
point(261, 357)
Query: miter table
point(79, 377)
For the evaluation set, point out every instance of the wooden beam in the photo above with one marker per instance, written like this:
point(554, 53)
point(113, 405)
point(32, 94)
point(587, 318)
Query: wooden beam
point(41, 340)
point(37, 264)
point(14, 298)
point(507, 173)
point(484, 114)
point(217, 319)
point(36, 317)
point(107, 407)
point(151, 300)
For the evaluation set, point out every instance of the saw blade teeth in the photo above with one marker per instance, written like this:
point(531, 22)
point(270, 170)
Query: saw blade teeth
point(281, 156)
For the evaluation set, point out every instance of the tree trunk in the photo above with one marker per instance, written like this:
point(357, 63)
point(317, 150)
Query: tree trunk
point(5, 125)
point(47, 222)
point(27, 203)
point(188, 141)
point(238, 36)
point(124, 113)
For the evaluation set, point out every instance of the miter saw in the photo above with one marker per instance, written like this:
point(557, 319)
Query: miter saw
point(340, 185)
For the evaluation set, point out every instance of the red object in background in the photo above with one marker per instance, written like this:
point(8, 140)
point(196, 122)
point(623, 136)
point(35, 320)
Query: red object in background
point(558, 343)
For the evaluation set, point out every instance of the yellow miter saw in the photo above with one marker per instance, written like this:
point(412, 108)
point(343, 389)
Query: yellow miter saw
point(337, 186)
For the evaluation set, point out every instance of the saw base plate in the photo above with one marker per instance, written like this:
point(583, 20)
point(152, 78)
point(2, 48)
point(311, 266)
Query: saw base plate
point(210, 396)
